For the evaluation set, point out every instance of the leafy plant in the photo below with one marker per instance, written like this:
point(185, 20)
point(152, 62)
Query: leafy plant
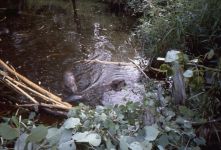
point(109, 127)
point(180, 24)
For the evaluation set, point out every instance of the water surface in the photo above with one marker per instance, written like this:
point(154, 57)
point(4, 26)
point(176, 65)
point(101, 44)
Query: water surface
point(47, 38)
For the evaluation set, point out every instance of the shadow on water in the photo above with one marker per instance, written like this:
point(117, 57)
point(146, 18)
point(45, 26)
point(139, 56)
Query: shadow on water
point(42, 39)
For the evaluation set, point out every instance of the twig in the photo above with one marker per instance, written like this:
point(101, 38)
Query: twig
point(195, 96)
point(44, 105)
point(21, 91)
point(33, 91)
point(202, 66)
point(28, 82)
point(58, 104)
point(205, 122)
point(187, 144)
point(158, 70)
point(3, 19)
point(35, 86)
point(105, 62)
point(138, 67)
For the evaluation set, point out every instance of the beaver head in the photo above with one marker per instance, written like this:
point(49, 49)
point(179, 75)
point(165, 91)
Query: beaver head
point(69, 81)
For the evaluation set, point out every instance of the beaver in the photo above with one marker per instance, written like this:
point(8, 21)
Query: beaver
point(70, 83)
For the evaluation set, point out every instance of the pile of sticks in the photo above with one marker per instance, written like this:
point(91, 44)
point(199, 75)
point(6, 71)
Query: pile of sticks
point(36, 95)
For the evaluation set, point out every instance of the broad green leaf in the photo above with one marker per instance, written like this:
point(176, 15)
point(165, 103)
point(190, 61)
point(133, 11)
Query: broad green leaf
point(151, 132)
point(136, 146)
point(172, 56)
point(99, 109)
point(53, 135)
point(160, 147)
point(180, 120)
point(80, 137)
point(38, 134)
point(21, 142)
point(123, 143)
point(188, 74)
point(91, 138)
point(52, 132)
point(167, 68)
point(94, 139)
point(169, 115)
point(66, 135)
point(7, 132)
point(71, 123)
point(109, 144)
point(103, 116)
point(147, 145)
point(69, 145)
point(163, 140)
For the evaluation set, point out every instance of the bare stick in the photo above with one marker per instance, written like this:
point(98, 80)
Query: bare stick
point(138, 67)
point(34, 92)
point(33, 85)
point(105, 62)
point(21, 91)
point(31, 90)
point(44, 105)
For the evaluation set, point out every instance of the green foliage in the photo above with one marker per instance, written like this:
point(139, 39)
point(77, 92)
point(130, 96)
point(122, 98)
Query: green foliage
point(198, 78)
point(111, 127)
point(180, 24)
point(7, 132)
point(37, 134)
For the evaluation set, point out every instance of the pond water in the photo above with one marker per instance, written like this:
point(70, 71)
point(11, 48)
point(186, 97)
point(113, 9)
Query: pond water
point(48, 37)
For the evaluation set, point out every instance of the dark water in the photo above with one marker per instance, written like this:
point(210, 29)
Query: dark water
point(45, 39)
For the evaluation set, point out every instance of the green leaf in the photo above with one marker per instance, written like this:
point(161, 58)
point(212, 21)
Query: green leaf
point(151, 132)
point(136, 146)
point(69, 145)
point(123, 143)
point(188, 74)
point(160, 147)
point(166, 67)
point(172, 56)
point(38, 134)
point(53, 135)
point(91, 138)
point(72, 123)
point(66, 135)
point(94, 139)
point(109, 144)
point(78, 137)
point(7, 132)
point(147, 145)
point(163, 140)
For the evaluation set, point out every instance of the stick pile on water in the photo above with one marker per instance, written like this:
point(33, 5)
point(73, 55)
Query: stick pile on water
point(36, 95)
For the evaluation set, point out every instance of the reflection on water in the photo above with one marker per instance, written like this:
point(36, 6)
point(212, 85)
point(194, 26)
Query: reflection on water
point(45, 40)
